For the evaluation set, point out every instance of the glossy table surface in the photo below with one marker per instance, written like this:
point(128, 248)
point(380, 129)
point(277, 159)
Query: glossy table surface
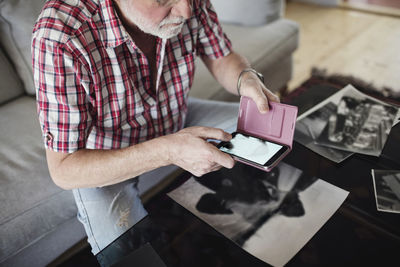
point(356, 235)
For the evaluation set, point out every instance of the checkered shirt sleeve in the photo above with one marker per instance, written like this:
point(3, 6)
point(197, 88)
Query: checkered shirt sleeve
point(212, 41)
point(61, 97)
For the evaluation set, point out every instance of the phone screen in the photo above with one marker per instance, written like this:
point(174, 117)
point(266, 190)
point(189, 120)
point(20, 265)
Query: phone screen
point(253, 149)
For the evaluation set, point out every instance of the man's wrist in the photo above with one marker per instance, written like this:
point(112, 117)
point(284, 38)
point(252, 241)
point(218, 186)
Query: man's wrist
point(242, 74)
point(166, 149)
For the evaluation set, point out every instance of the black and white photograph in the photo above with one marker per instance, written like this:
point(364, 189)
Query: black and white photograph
point(387, 190)
point(310, 127)
point(271, 215)
point(348, 121)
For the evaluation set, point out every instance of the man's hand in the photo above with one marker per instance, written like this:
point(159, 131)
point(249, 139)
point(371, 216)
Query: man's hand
point(189, 150)
point(252, 87)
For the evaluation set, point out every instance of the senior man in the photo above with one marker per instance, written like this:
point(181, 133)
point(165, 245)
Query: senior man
point(112, 81)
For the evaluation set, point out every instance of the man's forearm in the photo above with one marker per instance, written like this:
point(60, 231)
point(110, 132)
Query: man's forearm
point(95, 168)
point(226, 70)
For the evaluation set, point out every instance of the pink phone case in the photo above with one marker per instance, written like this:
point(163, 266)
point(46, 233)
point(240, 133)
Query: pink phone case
point(277, 125)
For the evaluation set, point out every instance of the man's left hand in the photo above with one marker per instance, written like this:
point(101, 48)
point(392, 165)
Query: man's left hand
point(251, 86)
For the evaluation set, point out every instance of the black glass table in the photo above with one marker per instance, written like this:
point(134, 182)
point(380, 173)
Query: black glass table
point(356, 235)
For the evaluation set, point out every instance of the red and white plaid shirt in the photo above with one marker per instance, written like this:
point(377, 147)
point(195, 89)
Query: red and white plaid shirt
point(93, 83)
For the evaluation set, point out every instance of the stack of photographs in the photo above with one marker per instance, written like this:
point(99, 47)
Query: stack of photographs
point(347, 122)
point(387, 190)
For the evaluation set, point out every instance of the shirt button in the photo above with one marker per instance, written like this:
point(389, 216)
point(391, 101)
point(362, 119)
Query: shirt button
point(49, 138)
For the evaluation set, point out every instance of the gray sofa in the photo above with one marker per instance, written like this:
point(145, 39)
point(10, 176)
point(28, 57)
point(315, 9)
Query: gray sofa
point(37, 219)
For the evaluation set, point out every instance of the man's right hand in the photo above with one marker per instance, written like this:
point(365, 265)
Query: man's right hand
point(189, 150)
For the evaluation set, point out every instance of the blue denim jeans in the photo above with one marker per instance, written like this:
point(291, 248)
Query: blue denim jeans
point(107, 212)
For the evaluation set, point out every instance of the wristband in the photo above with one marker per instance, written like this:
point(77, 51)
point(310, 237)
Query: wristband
point(259, 75)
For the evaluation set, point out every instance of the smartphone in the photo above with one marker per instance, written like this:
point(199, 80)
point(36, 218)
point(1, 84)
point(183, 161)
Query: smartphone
point(256, 151)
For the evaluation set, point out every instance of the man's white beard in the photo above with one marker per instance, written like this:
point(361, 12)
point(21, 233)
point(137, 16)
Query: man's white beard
point(164, 30)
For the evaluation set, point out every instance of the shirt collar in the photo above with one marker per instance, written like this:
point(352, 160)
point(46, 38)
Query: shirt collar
point(114, 32)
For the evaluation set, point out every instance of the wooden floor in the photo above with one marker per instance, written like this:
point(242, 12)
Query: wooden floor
point(385, 3)
point(348, 42)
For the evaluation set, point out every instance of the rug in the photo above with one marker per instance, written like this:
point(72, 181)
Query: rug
point(340, 81)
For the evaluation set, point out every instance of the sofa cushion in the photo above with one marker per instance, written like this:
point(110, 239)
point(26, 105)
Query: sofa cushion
point(17, 20)
point(10, 85)
point(31, 205)
point(263, 46)
point(248, 13)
